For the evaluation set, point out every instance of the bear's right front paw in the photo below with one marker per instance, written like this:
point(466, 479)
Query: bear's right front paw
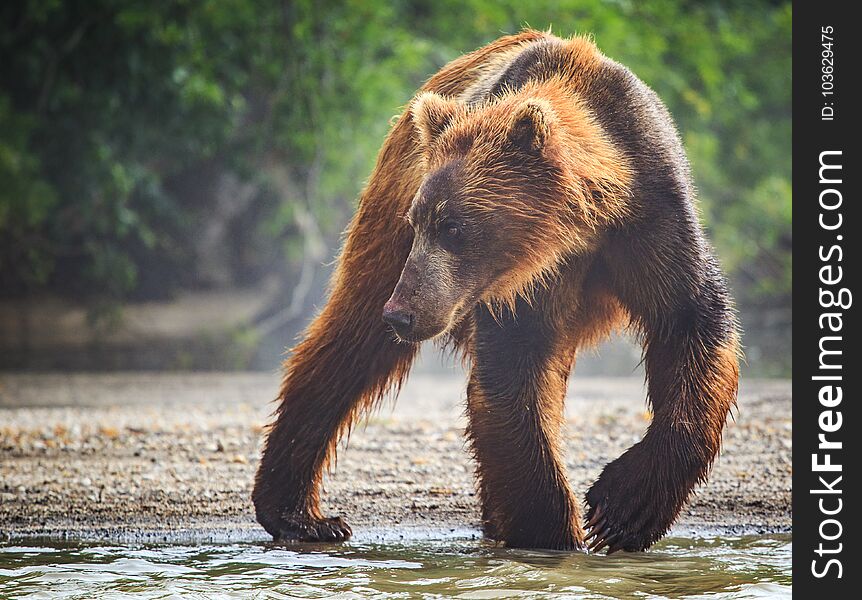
point(307, 529)
point(303, 528)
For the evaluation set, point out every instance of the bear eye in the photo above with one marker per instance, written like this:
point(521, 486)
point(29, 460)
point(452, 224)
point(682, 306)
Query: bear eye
point(450, 235)
point(450, 229)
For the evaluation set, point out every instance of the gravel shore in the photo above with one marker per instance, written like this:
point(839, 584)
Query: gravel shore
point(170, 457)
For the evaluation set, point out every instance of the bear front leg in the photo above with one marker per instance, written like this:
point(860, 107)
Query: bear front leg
point(515, 407)
point(347, 359)
point(691, 361)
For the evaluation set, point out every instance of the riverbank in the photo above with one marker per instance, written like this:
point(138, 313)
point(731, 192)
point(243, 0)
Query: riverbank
point(171, 457)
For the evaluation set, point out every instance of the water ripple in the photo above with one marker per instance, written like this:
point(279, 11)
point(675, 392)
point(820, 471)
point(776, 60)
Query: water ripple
point(739, 567)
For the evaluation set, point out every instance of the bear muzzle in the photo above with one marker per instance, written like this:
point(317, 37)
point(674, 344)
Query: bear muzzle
point(399, 318)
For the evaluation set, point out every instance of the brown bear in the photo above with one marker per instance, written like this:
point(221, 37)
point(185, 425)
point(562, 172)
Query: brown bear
point(534, 196)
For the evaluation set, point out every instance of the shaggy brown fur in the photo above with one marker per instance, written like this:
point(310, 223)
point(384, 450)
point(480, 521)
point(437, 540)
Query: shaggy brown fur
point(533, 197)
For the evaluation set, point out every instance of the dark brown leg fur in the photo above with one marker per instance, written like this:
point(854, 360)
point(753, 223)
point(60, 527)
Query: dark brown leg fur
point(347, 360)
point(691, 356)
point(515, 405)
point(662, 270)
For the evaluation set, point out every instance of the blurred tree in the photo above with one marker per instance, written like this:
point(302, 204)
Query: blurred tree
point(146, 148)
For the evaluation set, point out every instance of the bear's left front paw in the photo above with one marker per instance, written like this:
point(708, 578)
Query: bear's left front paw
point(629, 509)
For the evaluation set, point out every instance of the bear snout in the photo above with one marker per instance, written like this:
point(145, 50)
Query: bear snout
point(399, 318)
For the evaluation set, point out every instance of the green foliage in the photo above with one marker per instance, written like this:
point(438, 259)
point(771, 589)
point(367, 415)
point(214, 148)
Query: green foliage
point(112, 110)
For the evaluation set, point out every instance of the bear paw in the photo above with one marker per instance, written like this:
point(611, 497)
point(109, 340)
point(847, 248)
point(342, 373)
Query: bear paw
point(303, 528)
point(628, 509)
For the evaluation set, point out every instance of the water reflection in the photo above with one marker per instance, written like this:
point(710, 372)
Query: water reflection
point(746, 567)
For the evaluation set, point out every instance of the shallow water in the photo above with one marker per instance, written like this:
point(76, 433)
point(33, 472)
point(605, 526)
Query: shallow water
point(729, 567)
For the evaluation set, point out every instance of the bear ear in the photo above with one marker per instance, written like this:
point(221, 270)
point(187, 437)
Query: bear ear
point(531, 125)
point(432, 113)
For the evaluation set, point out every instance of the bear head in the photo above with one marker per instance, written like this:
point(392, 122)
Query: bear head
point(511, 188)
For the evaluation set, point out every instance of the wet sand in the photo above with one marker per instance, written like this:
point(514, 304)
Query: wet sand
point(171, 457)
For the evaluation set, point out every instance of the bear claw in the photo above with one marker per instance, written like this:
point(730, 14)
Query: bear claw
point(621, 528)
point(307, 529)
point(601, 533)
